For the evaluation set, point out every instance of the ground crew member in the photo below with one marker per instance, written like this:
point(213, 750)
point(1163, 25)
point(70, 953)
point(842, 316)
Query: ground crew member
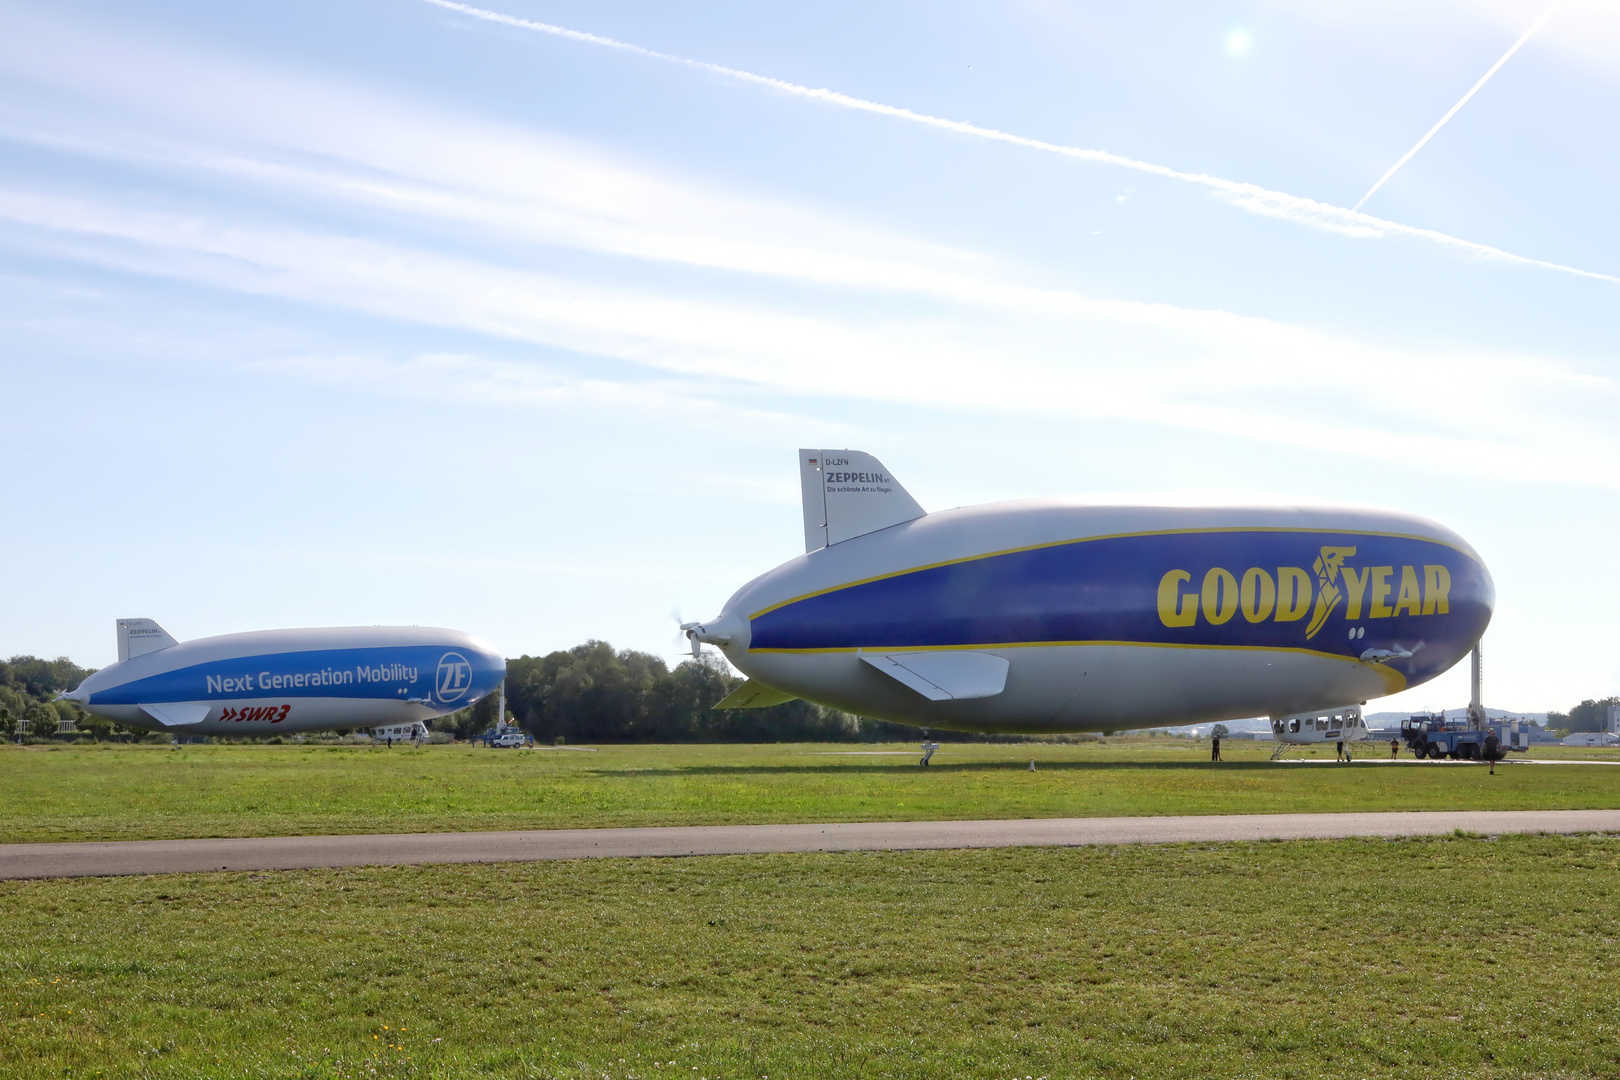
point(1215, 748)
point(1394, 749)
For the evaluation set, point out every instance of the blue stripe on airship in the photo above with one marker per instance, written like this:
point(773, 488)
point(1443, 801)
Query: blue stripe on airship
point(446, 676)
point(1336, 593)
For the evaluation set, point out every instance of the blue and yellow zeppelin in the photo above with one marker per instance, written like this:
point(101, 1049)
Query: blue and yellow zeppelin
point(1047, 616)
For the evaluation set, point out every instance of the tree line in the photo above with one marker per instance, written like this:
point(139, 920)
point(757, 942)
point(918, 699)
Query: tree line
point(589, 693)
point(596, 693)
point(1590, 715)
point(27, 685)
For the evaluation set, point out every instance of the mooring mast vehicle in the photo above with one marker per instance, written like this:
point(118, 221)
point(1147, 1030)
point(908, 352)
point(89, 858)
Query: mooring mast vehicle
point(1474, 737)
point(1461, 739)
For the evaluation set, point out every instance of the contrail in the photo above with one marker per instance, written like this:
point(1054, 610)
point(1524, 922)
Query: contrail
point(1249, 197)
point(1483, 79)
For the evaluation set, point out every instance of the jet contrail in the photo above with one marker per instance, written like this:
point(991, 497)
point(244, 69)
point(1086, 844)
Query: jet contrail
point(1483, 79)
point(1250, 197)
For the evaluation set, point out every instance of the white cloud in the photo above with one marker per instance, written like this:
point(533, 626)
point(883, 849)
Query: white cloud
point(954, 330)
point(1020, 351)
point(534, 384)
point(1245, 196)
point(1587, 31)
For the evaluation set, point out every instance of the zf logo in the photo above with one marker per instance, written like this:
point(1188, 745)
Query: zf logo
point(455, 675)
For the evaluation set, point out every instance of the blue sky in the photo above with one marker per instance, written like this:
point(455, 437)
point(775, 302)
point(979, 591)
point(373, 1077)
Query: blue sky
point(383, 312)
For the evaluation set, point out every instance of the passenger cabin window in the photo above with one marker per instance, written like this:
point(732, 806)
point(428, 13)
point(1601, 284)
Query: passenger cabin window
point(1293, 725)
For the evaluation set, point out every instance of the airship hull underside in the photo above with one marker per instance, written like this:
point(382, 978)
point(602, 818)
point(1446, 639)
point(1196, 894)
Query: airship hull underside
point(1094, 687)
point(270, 715)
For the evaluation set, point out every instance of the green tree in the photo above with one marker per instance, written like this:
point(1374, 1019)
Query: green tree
point(98, 728)
point(593, 692)
point(1589, 715)
point(41, 721)
point(42, 679)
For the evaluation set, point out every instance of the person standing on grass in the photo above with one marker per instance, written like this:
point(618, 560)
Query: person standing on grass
point(1341, 749)
point(1394, 748)
point(1215, 748)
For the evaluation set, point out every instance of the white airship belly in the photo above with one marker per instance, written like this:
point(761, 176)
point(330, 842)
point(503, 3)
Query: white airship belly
point(1087, 687)
point(275, 716)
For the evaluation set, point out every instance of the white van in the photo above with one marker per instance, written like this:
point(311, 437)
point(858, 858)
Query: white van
point(411, 733)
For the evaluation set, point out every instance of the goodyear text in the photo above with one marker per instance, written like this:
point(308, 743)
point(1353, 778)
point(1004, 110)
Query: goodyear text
point(1290, 593)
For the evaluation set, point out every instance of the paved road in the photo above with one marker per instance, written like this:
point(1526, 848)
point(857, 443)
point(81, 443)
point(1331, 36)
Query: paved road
point(404, 849)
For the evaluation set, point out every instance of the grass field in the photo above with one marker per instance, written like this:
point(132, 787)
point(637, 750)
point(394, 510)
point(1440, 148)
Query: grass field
point(150, 792)
point(1424, 958)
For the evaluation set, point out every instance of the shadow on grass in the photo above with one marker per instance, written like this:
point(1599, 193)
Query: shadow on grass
point(876, 769)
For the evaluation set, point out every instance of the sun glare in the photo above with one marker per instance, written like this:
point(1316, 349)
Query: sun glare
point(1238, 42)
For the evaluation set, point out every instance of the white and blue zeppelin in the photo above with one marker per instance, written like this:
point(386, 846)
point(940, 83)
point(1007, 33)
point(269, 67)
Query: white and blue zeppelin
point(1052, 616)
point(275, 681)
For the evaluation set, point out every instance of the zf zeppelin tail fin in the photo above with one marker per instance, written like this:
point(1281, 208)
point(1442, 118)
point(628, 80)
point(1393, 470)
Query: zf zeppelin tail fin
point(180, 714)
point(847, 494)
point(137, 637)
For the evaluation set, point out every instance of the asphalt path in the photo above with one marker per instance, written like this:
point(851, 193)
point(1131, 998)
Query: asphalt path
point(411, 849)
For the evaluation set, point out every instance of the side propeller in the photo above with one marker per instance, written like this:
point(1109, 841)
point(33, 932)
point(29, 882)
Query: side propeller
point(687, 631)
point(699, 634)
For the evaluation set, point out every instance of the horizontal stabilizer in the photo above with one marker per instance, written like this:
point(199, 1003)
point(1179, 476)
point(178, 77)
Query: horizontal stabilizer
point(182, 714)
point(848, 493)
point(753, 695)
point(944, 676)
point(137, 637)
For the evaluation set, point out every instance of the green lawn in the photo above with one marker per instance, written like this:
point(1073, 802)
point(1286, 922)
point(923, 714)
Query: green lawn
point(1454, 957)
point(120, 793)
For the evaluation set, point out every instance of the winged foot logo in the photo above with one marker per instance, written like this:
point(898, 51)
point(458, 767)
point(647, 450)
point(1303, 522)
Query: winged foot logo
point(1288, 596)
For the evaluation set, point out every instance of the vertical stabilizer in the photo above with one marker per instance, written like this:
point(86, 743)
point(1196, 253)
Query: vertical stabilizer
point(848, 493)
point(137, 637)
point(815, 500)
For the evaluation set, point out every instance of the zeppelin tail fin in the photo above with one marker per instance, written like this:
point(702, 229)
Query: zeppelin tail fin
point(137, 637)
point(753, 695)
point(944, 676)
point(179, 714)
point(847, 494)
